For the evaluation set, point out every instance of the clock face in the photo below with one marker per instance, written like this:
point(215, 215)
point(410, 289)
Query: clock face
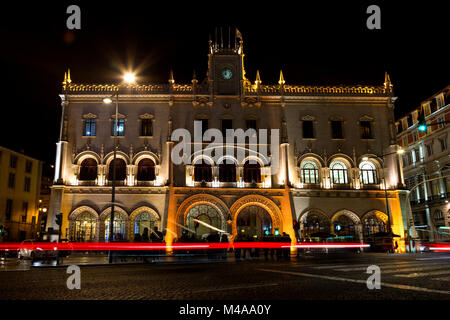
point(226, 73)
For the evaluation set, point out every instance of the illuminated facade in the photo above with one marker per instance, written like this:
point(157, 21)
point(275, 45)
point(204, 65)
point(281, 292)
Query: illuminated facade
point(20, 185)
point(426, 164)
point(330, 159)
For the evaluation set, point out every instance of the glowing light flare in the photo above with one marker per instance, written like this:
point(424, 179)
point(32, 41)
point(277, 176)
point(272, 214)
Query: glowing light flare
point(129, 77)
point(209, 226)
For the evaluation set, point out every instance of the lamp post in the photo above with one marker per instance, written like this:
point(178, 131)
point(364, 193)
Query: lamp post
point(399, 152)
point(129, 78)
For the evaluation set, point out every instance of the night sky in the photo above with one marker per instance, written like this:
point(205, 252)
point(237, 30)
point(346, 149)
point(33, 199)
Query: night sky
point(316, 43)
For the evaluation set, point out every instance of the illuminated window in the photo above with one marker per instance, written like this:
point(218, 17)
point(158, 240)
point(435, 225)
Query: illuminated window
point(344, 227)
point(338, 172)
point(368, 173)
point(89, 127)
point(120, 127)
point(372, 225)
point(142, 221)
point(118, 227)
point(84, 227)
point(309, 172)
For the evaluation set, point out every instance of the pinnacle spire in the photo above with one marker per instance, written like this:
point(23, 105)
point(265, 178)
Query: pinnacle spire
point(258, 78)
point(171, 80)
point(281, 81)
point(68, 76)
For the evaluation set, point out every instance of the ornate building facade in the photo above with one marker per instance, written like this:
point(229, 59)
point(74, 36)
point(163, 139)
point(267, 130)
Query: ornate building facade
point(335, 152)
point(426, 164)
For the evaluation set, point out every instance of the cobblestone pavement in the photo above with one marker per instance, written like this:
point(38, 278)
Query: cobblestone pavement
point(340, 277)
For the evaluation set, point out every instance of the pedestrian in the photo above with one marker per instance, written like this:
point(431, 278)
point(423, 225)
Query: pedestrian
point(145, 237)
point(265, 239)
point(224, 240)
point(237, 251)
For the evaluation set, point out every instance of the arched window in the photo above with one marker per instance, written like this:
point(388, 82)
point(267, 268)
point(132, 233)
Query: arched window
point(88, 169)
point(146, 170)
point(372, 225)
point(202, 171)
point(315, 225)
point(338, 172)
point(142, 221)
point(310, 172)
point(252, 171)
point(368, 173)
point(121, 170)
point(85, 227)
point(206, 214)
point(227, 172)
point(118, 227)
point(344, 227)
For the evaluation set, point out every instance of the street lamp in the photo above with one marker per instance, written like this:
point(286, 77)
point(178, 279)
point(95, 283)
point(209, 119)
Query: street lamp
point(128, 78)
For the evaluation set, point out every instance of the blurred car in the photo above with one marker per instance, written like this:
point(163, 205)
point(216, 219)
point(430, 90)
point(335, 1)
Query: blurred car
point(30, 249)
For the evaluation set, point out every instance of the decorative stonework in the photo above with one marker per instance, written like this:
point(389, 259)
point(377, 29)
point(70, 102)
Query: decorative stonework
point(347, 213)
point(378, 214)
point(89, 116)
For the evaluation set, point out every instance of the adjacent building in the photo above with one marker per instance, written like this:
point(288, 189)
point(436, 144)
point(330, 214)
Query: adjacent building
point(426, 164)
point(20, 183)
point(328, 162)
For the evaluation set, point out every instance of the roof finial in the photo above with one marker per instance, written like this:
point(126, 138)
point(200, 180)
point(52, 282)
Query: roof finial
point(171, 80)
point(221, 38)
point(194, 76)
point(258, 79)
point(65, 78)
point(387, 79)
point(68, 76)
point(281, 81)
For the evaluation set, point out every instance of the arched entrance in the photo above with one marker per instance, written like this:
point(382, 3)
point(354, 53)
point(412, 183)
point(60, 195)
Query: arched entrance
point(254, 221)
point(204, 207)
point(206, 214)
point(83, 224)
point(268, 207)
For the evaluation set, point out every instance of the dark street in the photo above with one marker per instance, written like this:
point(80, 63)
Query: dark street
point(331, 277)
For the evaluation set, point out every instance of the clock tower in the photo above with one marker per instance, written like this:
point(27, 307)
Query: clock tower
point(226, 65)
